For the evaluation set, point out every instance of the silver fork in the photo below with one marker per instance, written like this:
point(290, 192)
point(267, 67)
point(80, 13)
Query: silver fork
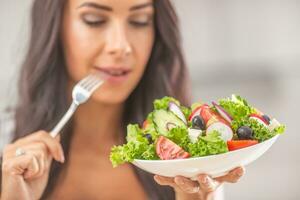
point(80, 94)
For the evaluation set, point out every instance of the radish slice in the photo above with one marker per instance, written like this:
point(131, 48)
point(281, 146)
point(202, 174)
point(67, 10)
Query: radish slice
point(259, 119)
point(173, 107)
point(225, 130)
point(222, 112)
point(194, 134)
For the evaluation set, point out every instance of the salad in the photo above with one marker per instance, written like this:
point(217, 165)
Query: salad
point(173, 131)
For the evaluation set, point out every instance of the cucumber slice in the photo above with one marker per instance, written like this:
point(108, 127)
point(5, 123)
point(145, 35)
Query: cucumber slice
point(165, 120)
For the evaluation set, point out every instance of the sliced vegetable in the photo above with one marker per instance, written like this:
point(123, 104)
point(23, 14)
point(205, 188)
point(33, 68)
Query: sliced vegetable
point(173, 107)
point(170, 126)
point(207, 114)
point(239, 144)
point(222, 112)
point(165, 120)
point(267, 118)
point(259, 119)
point(237, 107)
point(225, 131)
point(168, 150)
point(195, 112)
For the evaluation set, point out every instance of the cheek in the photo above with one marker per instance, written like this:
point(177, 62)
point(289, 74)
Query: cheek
point(79, 49)
point(142, 45)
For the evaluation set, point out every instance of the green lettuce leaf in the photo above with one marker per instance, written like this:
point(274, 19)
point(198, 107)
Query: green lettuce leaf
point(237, 107)
point(137, 147)
point(260, 132)
point(150, 128)
point(179, 135)
point(208, 145)
point(164, 103)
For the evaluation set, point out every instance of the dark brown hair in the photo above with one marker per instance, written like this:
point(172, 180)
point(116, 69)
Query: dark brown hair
point(42, 84)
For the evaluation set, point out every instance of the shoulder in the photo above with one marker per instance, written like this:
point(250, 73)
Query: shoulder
point(7, 127)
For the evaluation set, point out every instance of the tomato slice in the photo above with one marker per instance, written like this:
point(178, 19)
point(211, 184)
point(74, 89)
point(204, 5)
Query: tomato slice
point(196, 111)
point(238, 144)
point(168, 150)
point(207, 114)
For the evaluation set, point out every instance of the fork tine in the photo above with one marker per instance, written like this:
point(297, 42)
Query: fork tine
point(96, 85)
point(85, 80)
point(88, 82)
point(93, 83)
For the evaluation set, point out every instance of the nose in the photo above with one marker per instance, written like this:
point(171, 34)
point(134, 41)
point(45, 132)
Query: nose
point(117, 42)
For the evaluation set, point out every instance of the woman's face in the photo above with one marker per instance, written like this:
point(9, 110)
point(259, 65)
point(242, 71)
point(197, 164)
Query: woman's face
point(113, 37)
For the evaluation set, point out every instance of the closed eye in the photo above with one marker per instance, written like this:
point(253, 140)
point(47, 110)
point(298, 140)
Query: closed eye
point(139, 23)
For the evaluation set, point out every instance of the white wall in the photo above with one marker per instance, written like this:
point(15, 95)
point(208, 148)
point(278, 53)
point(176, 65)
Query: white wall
point(249, 47)
point(14, 28)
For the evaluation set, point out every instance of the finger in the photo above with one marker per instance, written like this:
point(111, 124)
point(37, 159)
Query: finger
point(27, 147)
point(26, 165)
point(233, 176)
point(162, 180)
point(42, 158)
point(207, 184)
point(52, 144)
point(186, 184)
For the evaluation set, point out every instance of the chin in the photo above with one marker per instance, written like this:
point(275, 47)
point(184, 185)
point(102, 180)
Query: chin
point(110, 97)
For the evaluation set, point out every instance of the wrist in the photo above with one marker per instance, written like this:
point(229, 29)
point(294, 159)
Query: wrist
point(180, 195)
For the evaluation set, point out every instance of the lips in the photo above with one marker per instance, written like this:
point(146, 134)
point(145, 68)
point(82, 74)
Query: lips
point(114, 74)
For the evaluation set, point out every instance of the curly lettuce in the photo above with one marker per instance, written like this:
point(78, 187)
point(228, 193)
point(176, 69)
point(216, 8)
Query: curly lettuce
point(163, 103)
point(260, 132)
point(237, 107)
point(179, 135)
point(208, 145)
point(137, 147)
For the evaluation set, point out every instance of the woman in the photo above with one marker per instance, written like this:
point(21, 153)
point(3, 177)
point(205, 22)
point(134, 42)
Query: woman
point(136, 44)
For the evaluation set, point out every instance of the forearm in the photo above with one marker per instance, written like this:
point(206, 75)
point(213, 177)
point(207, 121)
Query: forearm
point(184, 196)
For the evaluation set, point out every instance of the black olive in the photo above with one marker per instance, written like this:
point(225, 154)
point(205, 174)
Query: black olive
point(267, 118)
point(245, 133)
point(149, 138)
point(198, 123)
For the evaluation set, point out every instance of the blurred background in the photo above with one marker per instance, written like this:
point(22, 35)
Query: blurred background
point(248, 47)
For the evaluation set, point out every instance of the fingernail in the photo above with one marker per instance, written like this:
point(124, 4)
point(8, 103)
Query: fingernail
point(239, 172)
point(62, 158)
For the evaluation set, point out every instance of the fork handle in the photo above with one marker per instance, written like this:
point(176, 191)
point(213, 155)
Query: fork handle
point(64, 120)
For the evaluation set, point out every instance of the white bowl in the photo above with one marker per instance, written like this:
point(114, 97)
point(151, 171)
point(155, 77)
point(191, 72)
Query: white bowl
point(214, 165)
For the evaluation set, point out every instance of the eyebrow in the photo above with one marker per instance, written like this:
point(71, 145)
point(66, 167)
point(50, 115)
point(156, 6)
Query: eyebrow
point(107, 8)
point(141, 6)
point(95, 5)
